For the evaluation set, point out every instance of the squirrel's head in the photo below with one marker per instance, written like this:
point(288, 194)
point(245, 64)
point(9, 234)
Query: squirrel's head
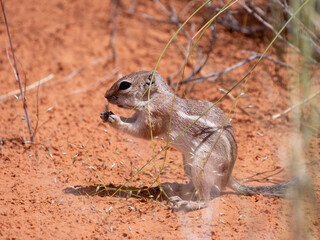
point(132, 91)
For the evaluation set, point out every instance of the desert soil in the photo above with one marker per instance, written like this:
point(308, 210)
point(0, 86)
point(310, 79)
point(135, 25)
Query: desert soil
point(55, 188)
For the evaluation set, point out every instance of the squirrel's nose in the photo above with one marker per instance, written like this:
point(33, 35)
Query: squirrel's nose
point(111, 98)
point(107, 94)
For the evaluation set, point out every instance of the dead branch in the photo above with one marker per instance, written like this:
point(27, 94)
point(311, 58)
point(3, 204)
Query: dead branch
point(232, 24)
point(174, 19)
point(287, 10)
point(16, 72)
point(132, 7)
point(214, 75)
point(282, 64)
point(269, 26)
point(312, 36)
point(112, 38)
point(200, 62)
point(197, 69)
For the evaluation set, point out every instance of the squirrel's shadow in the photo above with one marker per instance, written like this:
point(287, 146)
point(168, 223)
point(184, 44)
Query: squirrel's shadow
point(117, 191)
point(184, 191)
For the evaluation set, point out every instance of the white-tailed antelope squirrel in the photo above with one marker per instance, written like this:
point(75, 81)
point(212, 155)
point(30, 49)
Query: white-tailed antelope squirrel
point(209, 146)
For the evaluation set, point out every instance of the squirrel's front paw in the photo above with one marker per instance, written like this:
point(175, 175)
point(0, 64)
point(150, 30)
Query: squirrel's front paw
point(107, 116)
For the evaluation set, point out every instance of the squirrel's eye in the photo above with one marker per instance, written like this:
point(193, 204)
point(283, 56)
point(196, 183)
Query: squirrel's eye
point(124, 85)
point(149, 79)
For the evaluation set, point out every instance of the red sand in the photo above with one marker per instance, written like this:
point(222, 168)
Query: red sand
point(36, 199)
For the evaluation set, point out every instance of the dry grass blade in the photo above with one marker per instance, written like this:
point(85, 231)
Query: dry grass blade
point(28, 88)
point(295, 106)
point(113, 72)
point(148, 17)
point(80, 69)
point(234, 98)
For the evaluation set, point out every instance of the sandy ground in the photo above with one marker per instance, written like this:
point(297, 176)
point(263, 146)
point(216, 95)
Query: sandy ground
point(70, 41)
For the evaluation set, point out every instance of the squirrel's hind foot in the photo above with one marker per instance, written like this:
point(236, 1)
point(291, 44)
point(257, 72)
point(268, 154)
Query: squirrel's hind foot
point(187, 206)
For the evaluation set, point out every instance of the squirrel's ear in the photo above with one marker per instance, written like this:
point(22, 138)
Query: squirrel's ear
point(149, 79)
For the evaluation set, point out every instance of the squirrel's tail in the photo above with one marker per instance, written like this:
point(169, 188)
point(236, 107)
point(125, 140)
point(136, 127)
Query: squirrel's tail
point(278, 190)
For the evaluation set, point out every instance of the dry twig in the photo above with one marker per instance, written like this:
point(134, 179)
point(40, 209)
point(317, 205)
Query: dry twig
point(114, 14)
point(1, 144)
point(16, 73)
